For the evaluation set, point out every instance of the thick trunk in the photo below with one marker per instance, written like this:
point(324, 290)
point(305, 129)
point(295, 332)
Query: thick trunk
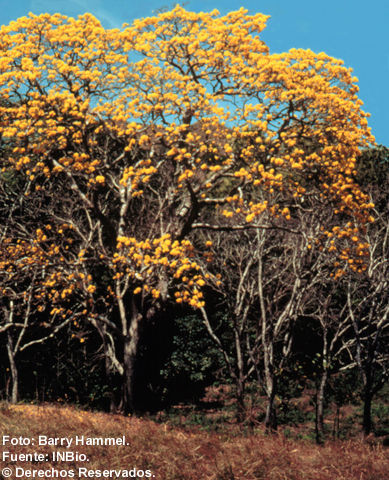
point(129, 359)
point(320, 408)
point(130, 352)
point(14, 371)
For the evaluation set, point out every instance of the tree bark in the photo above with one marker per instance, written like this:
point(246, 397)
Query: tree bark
point(129, 359)
point(240, 379)
point(319, 424)
point(130, 352)
point(271, 416)
point(14, 370)
point(270, 384)
point(319, 421)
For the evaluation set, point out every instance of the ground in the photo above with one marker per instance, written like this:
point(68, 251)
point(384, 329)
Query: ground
point(169, 452)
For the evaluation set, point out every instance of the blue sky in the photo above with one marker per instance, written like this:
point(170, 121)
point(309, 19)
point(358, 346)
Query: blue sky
point(353, 30)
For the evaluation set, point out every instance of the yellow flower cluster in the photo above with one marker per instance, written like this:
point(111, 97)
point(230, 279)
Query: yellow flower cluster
point(40, 264)
point(149, 262)
point(134, 177)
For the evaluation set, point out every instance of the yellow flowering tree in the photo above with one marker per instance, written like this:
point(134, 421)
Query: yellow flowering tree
point(38, 298)
point(171, 125)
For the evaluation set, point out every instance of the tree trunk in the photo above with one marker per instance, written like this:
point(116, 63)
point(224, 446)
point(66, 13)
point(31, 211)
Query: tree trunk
point(130, 352)
point(319, 424)
point(129, 359)
point(270, 388)
point(240, 376)
point(113, 368)
point(241, 407)
point(271, 417)
point(14, 371)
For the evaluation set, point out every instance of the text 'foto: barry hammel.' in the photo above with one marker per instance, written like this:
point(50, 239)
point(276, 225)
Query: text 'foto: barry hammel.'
point(64, 441)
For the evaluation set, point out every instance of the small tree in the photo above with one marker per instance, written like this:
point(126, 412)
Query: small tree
point(27, 274)
point(234, 288)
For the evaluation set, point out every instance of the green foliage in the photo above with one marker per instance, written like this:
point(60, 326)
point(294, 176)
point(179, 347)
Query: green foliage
point(380, 415)
point(193, 363)
point(291, 381)
point(344, 388)
point(289, 413)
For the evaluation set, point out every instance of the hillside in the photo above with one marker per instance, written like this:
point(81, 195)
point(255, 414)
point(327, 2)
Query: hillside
point(166, 453)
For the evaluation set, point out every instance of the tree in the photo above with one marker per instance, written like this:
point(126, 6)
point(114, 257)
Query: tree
point(270, 278)
point(28, 272)
point(139, 137)
point(234, 290)
point(353, 313)
point(326, 310)
point(367, 294)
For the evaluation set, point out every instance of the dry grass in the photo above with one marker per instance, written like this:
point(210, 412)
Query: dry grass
point(175, 454)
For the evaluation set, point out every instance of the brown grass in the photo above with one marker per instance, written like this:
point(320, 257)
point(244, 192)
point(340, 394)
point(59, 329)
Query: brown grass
point(177, 454)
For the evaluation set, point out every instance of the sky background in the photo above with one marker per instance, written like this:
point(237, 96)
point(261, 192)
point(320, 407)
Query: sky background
point(354, 30)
